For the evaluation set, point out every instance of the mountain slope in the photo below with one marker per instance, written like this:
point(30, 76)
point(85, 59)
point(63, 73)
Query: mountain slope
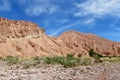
point(26, 39)
point(82, 43)
point(17, 29)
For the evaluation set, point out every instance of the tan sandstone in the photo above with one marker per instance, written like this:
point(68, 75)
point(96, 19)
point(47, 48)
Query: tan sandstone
point(26, 39)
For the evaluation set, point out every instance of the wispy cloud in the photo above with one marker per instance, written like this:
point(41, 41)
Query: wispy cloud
point(64, 21)
point(38, 7)
point(89, 22)
point(99, 8)
point(55, 21)
point(84, 22)
point(65, 27)
point(115, 27)
point(5, 5)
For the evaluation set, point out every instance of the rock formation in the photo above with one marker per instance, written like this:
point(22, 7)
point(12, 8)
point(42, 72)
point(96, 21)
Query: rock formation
point(17, 29)
point(81, 43)
point(26, 39)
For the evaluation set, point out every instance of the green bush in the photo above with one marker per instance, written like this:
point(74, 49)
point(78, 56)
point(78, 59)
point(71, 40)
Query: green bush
point(58, 59)
point(68, 61)
point(95, 55)
point(70, 56)
point(53, 60)
point(48, 60)
point(91, 53)
point(36, 58)
point(11, 60)
point(79, 55)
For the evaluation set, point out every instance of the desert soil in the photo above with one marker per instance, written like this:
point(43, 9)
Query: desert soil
point(102, 71)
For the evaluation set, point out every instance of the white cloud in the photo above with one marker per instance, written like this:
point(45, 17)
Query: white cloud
point(90, 21)
point(99, 8)
point(56, 21)
point(64, 21)
point(38, 7)
point(37, 10)
point(5, 5)
point(81, 23)
point(65, 27)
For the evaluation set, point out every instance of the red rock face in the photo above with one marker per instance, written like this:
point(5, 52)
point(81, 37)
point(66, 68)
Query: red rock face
point(26, 39)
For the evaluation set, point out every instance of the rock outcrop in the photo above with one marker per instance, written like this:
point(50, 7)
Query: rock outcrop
point(81, 43)
point(17, 29)
point(26, 39)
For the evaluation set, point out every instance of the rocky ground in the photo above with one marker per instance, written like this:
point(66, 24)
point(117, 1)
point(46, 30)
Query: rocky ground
point(103, 71)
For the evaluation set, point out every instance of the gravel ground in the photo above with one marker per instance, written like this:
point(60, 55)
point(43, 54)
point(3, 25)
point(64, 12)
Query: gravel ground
point(103, 71)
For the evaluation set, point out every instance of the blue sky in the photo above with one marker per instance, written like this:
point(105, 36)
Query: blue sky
point(100, 17)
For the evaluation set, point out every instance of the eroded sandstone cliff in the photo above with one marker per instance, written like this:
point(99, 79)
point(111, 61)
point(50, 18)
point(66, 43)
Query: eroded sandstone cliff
point(82, 43)
point(17, 29)
point(26, 39)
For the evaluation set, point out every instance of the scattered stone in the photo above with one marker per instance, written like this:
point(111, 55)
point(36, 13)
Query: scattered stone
point(109, 72)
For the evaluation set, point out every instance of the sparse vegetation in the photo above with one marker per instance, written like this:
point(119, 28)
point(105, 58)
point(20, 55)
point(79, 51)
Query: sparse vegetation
point(53, 60)
point(111, 59)
point(100, 58)
point(11, 60)
point(30, 62)
point(85, 62)
point(1, 59)
point(68, 61)
point(26, 65)
point(79, 55)
point(94, 54)
point(70, 56)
